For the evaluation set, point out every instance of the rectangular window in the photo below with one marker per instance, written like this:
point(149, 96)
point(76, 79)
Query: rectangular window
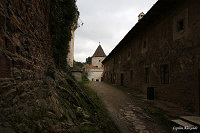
point(180, 25)
point(131, 75)
point(119, 61)
point(146, 75)
point(144, 45)
point(129, 53)
point(164, 74)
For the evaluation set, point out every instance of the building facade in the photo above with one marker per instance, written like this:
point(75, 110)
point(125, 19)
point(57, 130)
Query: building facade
point(162, 51)
point(95, 69)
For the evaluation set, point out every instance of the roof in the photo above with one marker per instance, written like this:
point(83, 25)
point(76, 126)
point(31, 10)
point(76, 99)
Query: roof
point(88, 66)
point(99, 52)
point(159, 9)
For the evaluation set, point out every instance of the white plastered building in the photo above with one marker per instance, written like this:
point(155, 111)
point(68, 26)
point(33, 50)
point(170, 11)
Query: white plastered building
point(95, 70)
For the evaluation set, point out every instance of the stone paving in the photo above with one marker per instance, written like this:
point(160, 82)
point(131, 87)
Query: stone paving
point(127, 115)
point(134, 122)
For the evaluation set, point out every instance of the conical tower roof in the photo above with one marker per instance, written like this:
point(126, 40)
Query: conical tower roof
point(99, 52)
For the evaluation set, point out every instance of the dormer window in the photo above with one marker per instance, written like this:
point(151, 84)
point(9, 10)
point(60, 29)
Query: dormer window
point(140, 16)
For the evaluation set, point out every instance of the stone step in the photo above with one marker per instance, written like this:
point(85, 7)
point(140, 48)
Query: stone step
point(194, 120)
point(183, 127)
point(181, 123)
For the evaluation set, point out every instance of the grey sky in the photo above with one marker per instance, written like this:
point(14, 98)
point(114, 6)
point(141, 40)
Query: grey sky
point(107, 21)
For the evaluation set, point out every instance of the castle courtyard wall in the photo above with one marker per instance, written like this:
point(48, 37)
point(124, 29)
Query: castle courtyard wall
point(161, 47)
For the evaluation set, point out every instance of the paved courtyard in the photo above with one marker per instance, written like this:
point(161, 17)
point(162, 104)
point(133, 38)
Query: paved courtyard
point(128, 116)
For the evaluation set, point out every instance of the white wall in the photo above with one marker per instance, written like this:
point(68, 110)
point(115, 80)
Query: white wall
point(94, 74)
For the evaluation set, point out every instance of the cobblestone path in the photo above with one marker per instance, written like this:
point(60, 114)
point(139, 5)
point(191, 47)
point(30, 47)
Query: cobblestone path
point(127, 116)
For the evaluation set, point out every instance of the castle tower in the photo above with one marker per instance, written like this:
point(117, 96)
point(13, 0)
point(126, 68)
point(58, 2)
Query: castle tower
point(98, 57)
point(95, 70)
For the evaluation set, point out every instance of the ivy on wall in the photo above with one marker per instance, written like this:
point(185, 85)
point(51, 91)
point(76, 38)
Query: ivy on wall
point(64, 17)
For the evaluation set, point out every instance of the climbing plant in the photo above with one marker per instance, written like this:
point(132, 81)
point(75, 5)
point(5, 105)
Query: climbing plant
point(64, 17)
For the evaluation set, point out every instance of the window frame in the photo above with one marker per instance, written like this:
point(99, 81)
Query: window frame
point(164, 74)
point(179, 27)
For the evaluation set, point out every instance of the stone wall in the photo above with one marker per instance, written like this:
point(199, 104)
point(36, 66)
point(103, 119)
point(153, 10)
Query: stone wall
point(161, 44)
point(25, 39)
point(77, 75)
point(34, 95)
point(25, 44)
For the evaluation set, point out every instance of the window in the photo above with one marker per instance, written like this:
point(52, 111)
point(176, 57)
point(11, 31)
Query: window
point(99, 60)
point(119, 59)
point(164, 74)
point(146, 75)
point(180, 25)
point(129, 54)
point(18, 49)
point(131, 75)
point(144, 44)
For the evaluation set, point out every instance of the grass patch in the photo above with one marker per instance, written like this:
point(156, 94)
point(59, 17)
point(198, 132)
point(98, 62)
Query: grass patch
point(100, 116)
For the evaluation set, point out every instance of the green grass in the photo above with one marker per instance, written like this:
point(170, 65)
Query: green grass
point(101, 116)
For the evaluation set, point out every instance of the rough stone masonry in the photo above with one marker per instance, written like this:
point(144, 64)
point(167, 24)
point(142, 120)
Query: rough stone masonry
point(34, 95)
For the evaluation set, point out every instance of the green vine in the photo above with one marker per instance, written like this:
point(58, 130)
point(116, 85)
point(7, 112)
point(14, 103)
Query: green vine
point(64, 17)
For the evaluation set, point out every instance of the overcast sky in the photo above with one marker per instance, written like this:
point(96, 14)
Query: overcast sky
point(107, 21)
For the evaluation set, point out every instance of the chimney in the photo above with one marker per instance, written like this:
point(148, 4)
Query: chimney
point(140, 16)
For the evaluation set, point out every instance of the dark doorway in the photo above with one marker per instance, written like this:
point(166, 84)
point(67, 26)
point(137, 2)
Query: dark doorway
point(97, 80)
point(122, 79)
